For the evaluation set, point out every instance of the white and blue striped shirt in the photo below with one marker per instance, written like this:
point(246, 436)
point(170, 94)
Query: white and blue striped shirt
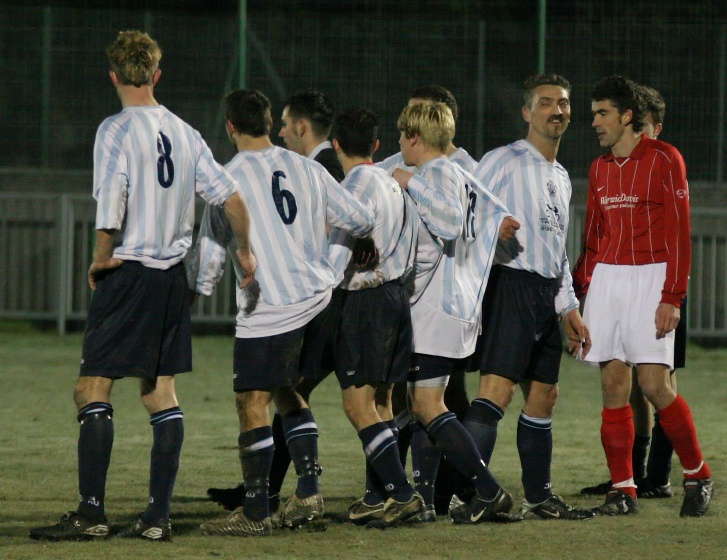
point(459, 156)
point(148, 163)
point(290, 200)
point(396, 226)
point(538, 193)
point(454, 256)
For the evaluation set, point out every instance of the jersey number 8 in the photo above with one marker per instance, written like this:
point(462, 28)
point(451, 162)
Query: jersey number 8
point(164, 148)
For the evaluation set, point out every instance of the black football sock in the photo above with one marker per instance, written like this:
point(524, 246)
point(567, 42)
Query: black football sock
point(168, 437)
point(256, 456)
point(301, 438)
point(381, 451)
point(95, 440)
point(535, 446)
point(638, 456)
point(425, 458)
point(456, 443)
point(658, 467)
point(403, 435)
point(481, 422)
point(281, 457)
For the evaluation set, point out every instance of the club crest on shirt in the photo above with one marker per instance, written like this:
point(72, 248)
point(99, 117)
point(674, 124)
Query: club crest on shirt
point(552, 189)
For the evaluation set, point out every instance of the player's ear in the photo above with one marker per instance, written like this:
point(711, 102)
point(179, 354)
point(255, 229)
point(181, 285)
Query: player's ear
point(376, 146)
point(114, 78)
point(301, 126)
point(657, 130)
point(526, 114)
point(627, 117)
point(157, 74)
point(336, 145)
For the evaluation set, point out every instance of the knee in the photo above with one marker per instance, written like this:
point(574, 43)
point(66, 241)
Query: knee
point(541, 403)
point(253, 409)
point(660, 395)
point(615, 392)
point(80, 395)
point(548, 400)
point(498, 390)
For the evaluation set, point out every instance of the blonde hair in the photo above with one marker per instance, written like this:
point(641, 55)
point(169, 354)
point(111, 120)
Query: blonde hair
point(134, 58)
point(433, 122)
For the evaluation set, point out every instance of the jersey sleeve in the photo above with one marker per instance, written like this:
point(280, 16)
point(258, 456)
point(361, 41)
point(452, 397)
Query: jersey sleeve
point(437, 195)
point(677, 230)
point(565, 299)
point(206, 264)
point(344, 211)
point(110, 175)
point(212, 181)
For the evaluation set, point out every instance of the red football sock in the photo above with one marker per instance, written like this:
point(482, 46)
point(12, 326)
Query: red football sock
point(678, 424)
point(617, 437)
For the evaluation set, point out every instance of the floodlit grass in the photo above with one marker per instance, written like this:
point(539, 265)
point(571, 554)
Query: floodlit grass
point(38, 477)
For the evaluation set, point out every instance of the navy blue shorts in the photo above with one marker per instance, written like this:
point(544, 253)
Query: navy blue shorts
point(138, 324)
point(268, 362)
point(316, 371)
point(373, 336)
point(521, 337)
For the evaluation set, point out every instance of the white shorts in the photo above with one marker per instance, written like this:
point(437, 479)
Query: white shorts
point(620, 312)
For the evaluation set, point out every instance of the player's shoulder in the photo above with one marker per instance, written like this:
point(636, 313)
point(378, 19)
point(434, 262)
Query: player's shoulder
point(500, 158)
point(507, 152)
point(664, 149)
point(462, 158)
point(370, 174)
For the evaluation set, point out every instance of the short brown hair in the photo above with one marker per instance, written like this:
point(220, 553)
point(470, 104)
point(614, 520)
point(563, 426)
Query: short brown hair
point(134, 58)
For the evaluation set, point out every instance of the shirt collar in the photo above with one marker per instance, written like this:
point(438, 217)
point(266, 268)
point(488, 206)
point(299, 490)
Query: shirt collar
point(319, 148)
point(638, 152)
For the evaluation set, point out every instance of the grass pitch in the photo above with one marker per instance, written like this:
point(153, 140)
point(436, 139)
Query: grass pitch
point(38, 476)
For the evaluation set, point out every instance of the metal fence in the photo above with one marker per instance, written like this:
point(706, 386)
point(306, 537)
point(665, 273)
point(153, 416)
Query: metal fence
point(47, 243)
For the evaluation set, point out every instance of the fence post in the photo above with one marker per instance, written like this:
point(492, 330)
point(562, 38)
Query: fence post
point(65, 260)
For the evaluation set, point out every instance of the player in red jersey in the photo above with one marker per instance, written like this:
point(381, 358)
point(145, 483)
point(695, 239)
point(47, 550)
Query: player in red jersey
point(637, 255)
point(652, 476)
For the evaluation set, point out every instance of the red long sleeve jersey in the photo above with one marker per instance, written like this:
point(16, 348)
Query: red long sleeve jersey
point(638, 213)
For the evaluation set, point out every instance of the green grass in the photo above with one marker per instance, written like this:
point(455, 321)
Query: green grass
point(38, 477)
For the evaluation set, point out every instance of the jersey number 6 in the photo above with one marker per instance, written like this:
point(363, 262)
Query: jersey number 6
point(282, 199)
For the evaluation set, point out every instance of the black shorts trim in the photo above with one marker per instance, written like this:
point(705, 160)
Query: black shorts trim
point(138, 324)
point(427, 366)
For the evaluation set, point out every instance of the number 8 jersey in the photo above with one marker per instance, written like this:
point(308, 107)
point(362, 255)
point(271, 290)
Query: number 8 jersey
point(148, 163)
point(460, 222)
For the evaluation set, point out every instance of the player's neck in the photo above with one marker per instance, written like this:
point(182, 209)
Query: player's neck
point(548, 147)
point(626, 144)
point(132, 96)
point(451, 149)
point(243, 142)
point(348, 163)
point(428, 154)
point(311, 144)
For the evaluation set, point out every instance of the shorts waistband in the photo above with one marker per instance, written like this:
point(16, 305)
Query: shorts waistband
point(525, 274)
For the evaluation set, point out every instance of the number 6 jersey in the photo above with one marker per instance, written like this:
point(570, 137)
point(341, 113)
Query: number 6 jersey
point(290, 200)
point(148, 163)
